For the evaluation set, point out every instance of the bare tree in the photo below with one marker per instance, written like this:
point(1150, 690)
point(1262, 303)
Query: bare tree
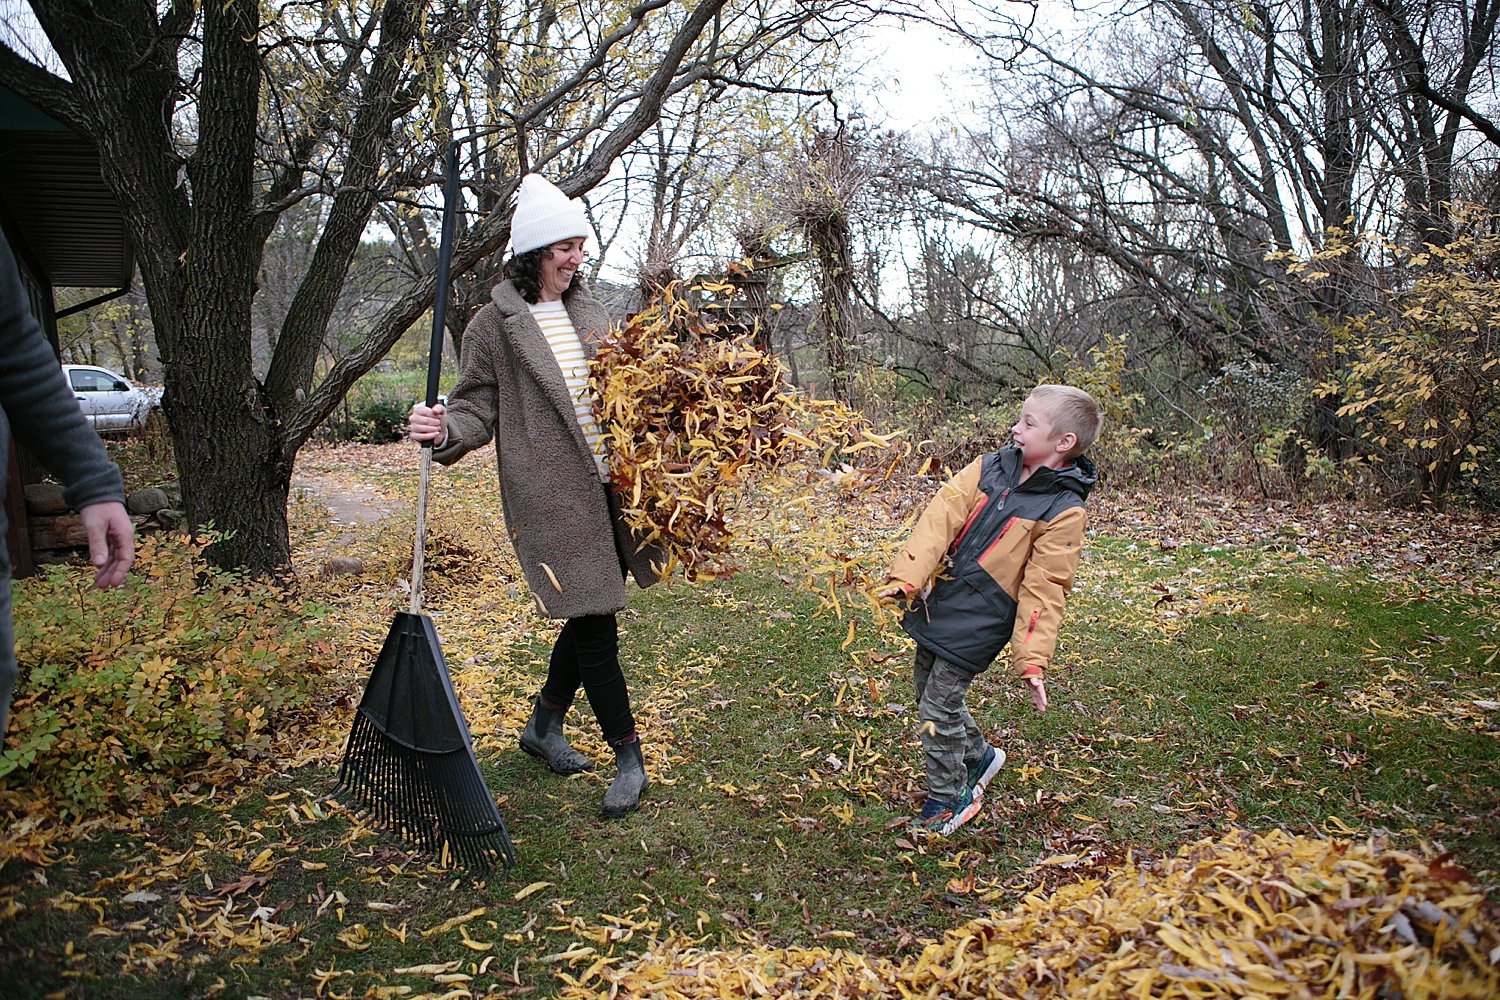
point(1169, 145)
point(214, 120)
point(1441, 56)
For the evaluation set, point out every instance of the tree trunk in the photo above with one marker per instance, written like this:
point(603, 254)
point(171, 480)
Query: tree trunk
point(833, 312)
point(233, 480)
point(827, 231)
point(223, 426)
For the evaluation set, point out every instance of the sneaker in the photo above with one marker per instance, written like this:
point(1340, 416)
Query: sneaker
point(985, 768)
point(939, 818)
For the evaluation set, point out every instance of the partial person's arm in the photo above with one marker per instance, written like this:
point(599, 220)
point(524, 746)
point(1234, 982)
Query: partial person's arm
point(1045, 585)
point(111, 541)
point(43, 414)
point(467, 420)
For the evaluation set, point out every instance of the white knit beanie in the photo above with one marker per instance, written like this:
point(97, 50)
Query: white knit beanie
point(544, 215)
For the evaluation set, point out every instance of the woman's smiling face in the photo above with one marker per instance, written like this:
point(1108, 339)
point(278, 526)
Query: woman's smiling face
point(560, 262)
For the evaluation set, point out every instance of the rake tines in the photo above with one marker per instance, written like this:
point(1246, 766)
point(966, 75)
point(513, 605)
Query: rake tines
point(409, 766)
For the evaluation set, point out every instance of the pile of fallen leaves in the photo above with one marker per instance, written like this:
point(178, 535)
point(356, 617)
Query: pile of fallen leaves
point(689, 405)
point(1249, 915)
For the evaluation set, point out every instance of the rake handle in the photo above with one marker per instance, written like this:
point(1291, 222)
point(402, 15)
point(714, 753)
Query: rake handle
point(419, 547)
point(435, 360)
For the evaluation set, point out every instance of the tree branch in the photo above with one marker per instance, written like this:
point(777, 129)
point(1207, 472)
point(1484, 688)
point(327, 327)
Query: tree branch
point(489, 234)
point(52, 94)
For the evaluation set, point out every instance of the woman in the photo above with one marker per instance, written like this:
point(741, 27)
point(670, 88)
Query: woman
point(523, 380)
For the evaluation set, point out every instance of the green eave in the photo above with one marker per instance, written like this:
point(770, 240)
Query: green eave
point(19, 115)
point(54, 200)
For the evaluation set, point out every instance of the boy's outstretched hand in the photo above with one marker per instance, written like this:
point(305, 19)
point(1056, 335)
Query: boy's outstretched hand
point(1038, 689)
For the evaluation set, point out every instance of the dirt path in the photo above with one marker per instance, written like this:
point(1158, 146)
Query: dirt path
point(343, 509)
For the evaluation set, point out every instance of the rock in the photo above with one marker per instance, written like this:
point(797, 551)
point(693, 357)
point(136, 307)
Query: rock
point(342, 566)
point(62, 532)
point(173, 490)
point(45, 498)
point(169, 518)
point(146, 501)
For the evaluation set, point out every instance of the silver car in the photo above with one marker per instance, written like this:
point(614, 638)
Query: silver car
point(109, 401)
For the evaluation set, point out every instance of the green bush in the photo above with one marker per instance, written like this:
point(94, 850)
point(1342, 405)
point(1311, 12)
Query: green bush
point(375, 409)
point(378, 421)
point(121, 692)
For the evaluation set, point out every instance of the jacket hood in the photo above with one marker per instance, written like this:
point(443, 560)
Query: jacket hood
point(1080, 477)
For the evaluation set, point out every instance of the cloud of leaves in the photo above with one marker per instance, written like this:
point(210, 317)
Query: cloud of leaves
point(689, 406)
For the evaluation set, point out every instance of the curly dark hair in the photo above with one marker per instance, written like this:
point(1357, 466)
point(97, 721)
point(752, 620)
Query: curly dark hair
point(525, 269)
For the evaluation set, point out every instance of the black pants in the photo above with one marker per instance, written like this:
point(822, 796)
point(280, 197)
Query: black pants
point(587, 653)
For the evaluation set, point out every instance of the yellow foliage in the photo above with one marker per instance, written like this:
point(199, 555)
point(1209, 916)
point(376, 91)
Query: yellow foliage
point(1417, 374)
point(1104, 377)
point(121, 691)
point(1259, 915)
point(688, 407)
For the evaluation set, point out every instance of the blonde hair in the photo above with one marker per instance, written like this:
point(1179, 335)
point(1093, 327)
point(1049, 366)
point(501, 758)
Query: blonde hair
point(1072, 411)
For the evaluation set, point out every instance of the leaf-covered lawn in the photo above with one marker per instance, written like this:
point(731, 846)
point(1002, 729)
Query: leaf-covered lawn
point(1228, 665)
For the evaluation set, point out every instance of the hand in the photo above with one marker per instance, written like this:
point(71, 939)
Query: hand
point(428, 423)
point(111, 541)
point(895, 590)
point(1038, 689)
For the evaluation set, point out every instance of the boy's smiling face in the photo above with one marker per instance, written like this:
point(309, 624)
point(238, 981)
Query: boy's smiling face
point(1034, 435)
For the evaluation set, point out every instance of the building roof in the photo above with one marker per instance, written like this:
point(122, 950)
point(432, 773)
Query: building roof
point(55, 202)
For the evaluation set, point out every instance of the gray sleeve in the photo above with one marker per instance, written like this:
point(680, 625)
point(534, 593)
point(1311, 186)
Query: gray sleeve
point(473, 401)
point(39, 405)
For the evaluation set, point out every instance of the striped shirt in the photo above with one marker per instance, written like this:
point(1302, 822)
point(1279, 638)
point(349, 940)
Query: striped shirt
point(552, 317)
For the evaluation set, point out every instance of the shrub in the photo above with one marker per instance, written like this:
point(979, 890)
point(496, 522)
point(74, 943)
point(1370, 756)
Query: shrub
point(376, 407)
point(378, 421)
point(1418, 375)
point(1257, 407)
point(948, 436)
point(121, 692)
point(1123, 443)
point(147, 458)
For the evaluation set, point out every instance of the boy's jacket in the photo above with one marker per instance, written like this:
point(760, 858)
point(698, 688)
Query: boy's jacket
point(991, 561)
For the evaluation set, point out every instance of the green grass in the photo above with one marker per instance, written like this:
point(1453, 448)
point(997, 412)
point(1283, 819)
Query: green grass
point(1175, 721)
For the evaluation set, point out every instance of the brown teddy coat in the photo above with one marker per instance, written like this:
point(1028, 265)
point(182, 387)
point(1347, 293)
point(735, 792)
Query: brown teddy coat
point(560, 516)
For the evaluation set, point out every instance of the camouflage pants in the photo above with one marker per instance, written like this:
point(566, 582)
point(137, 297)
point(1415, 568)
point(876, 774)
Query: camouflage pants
point(951, 741)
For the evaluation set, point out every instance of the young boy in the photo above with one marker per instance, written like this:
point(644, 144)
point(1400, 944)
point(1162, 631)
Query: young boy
point(990, 562)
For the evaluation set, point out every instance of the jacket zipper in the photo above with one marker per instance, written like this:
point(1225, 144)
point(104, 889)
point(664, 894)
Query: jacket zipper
point(990, 546)
point(1003, 529)
point(983, 499)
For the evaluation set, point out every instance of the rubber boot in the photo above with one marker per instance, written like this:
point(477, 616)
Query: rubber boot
point(624, 794)
point(543, 739)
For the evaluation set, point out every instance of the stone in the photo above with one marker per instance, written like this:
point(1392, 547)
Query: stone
point(45, 498)
point(62, 532)
point(169, 518)
point(342, 566)
point(146, 501)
